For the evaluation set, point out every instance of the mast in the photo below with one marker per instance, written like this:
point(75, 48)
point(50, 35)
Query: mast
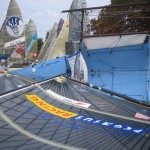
point(81, 32)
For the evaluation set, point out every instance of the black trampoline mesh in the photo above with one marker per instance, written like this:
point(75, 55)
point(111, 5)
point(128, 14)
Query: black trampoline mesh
point(22, 122)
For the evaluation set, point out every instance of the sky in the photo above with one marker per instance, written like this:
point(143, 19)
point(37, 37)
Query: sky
point(44, 12)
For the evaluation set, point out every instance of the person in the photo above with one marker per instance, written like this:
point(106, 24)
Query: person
point(2, 66)
point(33, 65)
point(36, 62)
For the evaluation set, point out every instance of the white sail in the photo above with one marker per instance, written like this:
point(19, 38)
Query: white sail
point(75, 20)
point(48, 44)
point(59, 45)
point(78, 67)
point(11, 31)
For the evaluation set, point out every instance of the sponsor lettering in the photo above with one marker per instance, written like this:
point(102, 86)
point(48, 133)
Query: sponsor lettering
point(70, 124)
point(113, 125)
point(45, 65)
point(49, 108)
point(67, 100)
point(14, 42)
point(81, 118)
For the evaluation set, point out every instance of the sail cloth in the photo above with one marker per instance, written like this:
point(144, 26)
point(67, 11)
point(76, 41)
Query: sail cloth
point(114, 41)
point(48, 44)
point(75, 20)
point(13, 30)
point(42, 50)
point(44, 70)
point(60, 25)
point(58, 48)
point(51, 40)
point(78, 67)
point(31, 40)
point(31, 44)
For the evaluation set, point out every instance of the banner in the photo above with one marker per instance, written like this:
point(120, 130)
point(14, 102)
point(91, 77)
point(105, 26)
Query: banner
point(33, 41)
point(14, 42)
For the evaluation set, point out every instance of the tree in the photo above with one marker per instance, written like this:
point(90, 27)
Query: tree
point(122, 19)
point(40, 43)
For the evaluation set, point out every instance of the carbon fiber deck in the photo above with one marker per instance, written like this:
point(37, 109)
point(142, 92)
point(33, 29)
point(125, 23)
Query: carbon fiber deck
point(26, 125)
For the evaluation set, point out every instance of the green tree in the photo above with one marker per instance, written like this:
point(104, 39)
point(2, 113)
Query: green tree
point(122, 19)
point(40, 43)
point(113, 2)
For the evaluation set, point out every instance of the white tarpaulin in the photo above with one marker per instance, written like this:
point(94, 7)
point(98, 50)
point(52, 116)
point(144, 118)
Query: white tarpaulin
point(114, 41)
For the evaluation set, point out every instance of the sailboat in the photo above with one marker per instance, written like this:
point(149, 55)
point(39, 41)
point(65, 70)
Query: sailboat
point(63, 110)
point(12, 31)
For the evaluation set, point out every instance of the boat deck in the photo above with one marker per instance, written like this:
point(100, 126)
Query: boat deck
point(62, 114)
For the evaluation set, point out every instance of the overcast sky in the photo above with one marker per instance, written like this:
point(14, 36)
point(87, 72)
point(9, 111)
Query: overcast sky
point(44, 12)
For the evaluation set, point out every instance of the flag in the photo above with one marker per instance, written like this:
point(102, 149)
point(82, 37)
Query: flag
point(35, 55)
